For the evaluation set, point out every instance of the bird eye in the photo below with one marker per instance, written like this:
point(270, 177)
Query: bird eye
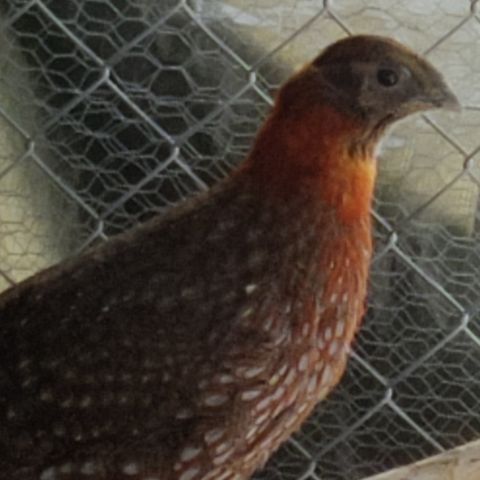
point(387, 77)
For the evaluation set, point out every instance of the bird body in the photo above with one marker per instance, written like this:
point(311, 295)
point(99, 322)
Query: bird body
point(193, 346)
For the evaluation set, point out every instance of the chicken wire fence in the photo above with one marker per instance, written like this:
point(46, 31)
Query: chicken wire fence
point(111, 111)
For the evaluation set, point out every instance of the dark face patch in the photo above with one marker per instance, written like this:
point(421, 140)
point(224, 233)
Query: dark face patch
point(343, 76)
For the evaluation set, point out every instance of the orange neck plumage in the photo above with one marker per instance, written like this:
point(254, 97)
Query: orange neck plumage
point(314, 149)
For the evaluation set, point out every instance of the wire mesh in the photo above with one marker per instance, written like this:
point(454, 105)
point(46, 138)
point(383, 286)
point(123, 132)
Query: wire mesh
point(111, 111)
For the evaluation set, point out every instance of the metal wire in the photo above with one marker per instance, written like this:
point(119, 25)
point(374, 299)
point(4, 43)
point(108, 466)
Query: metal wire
point(112, 111)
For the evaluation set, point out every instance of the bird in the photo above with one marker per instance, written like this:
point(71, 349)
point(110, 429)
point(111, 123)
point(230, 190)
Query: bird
point(192, 346)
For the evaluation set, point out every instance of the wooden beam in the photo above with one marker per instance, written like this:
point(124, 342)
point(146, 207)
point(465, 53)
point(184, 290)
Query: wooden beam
point(462, 463)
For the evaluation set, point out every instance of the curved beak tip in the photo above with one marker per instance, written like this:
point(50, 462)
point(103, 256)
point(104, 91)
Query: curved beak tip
point(450, 102)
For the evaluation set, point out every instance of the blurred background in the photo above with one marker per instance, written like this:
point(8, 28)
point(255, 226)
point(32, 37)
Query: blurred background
point(114, 110)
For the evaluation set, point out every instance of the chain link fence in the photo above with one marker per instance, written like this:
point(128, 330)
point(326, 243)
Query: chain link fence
point(111, 111)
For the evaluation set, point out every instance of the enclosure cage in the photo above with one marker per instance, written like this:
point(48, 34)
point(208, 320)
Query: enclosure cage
point(114, 110)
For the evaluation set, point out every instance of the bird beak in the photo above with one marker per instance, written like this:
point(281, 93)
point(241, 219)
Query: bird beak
point(434, 98)
point(446, 100)
point(432, 91)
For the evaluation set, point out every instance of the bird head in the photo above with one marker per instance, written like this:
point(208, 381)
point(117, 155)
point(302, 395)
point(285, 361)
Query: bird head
point(324, 129)
point(375, 80)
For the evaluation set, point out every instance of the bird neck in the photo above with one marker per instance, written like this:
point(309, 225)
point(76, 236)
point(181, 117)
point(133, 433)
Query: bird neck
point(319, 151)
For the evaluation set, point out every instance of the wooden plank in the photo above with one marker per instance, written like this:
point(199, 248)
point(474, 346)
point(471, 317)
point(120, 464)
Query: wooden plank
point(462, 463)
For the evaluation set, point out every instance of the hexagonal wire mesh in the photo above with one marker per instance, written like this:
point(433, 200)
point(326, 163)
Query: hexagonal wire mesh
point(111, 111)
